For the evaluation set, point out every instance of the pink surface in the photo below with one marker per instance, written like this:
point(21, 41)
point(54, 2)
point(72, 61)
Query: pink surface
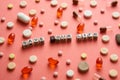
point(71, 51)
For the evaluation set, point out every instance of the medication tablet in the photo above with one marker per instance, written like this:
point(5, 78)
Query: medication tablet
point(60, 53)
point(41, 24)
point(54, 3)
point(64, 24)
point(27, 33)
point(64, 5)
point(83, 55)
point(32, 12)
point(11, 56)
point(1, 54)
point(43, 78)
point(117, 38)
point(10, 6)
point(55, 74)
point(105, 38)
point(37, 1)
point(23, 4)
point(42, 11)
point(87, 14)
point(10, 25)
point(56, 22)
point(93, 3)
point(3, 19)
point(102, 11)
point(33, 59)
point(83, 67)
point(70, 73)
point(23, 18)
point(113, 73)
point(49, 31)
point(114, 57)
point(68, 61)
point(11, 65)
point(115, 15)
point(77, 79)
point(2, 40)
point(104, 51)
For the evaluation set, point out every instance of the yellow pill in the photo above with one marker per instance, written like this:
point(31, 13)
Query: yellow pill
point(10, 6)
point(83, 55)
point(11, 56)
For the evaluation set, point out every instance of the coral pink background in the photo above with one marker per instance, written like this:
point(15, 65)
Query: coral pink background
point(71, 51)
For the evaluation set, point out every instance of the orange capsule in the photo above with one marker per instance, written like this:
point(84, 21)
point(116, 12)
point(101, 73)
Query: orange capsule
point(11, 38)
point(52, 62)
point(59, 12)
point(26, 71)
point(80, 28)
point(34, 21)
point(99, 63)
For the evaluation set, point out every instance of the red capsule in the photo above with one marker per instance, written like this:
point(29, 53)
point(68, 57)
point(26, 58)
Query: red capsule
point(11, 38)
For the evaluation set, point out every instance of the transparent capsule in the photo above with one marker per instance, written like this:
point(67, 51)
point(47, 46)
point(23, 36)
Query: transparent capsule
point(69, 37)
point(79, 37)
point(36, 41)
point(42, 40)
point(24, 44)
point(11, 38)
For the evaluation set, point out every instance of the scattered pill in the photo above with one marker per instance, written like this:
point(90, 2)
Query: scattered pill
point(68, 61)
point(10, 6)
point(49, 31)
point(104, 51)
point(115, 15)
point(23, 4)
point(93, 3)
point(76, 79)
point(75, 2)
point(114, 57)
point(55, 74)
point(117, 38)
point(113, 73)
point(30, 28)
point(80, 9)
point(11, 65)
point(3, 19)
point(1, 54)
point(87, 14)
point(2, 40)
point(114, 3)
point(11, 56)
point(83, 55)
point(95, 22)
point(105, 38)
point(10, 25)
point(37, 1)
point(27, 33)
point(64, 5)
point(56, 22)
point(64, 24)
point(70, 73)
point(41, 24)
point(102, 11)
point(33, 58)
point(23, 17)
point(43, 78)
point(83, 67)
point(119, 25)
point(54, 3)
point(60, 53)
point(32, 12)
point(42, 11)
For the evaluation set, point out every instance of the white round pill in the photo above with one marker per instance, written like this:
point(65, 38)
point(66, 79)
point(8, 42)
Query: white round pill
point(64, 5)
point(70, 73)
point(10, 25)
point(83, 67)
point(115, 15)
point(11, 56)
point(113, 73)
point(114, 57)
point(33, 59)
point(105, 38)
point(60, 53)
point(54, 3)
point(1, 54)
point(3, 19)
point(68, 61)
point(55, 74)
point(43, 78)
point(11, 65)
point(104, 51)
point(23, 4)
point(64, 24)
point(93, 3)
point(27, 33)
point(32, 12)
point(87, 14)
point(83, 55)
point(2, 40)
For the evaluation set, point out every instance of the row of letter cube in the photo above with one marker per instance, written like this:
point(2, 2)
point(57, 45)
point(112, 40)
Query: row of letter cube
point(87, 36)
point(33, 42)
point(60, 38)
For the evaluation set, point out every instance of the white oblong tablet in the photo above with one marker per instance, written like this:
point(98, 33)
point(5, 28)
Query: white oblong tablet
point(105, 38)
point(23, 4)
point(27, 33)
point(114, 57)
point(54, 3)
point(93, 3)
point(87, 14)
point(32, 12)
point(115, 15)
point(113, 73)
point(10, 25)
point(70, 73)
point(64, 5)
point(64, 24)
point(11, 65)
point(23, 18)
point(33, 59)
point(2, 40)
point(104, 51)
